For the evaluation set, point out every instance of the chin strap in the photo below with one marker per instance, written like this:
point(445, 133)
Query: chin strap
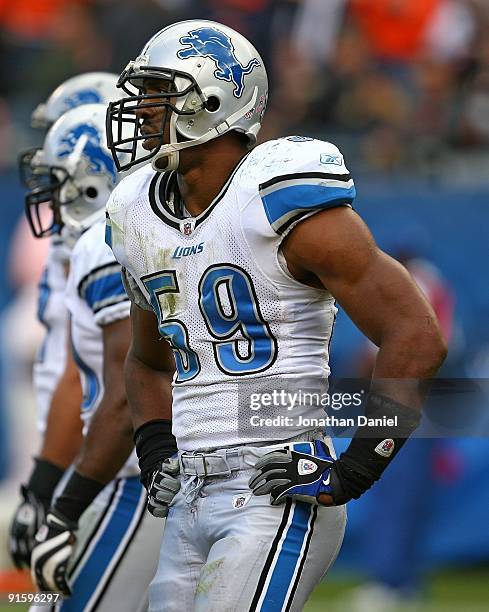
point(168, 156)
point(72, 230)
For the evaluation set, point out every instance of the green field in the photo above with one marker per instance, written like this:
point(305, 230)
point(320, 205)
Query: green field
point(452, 591)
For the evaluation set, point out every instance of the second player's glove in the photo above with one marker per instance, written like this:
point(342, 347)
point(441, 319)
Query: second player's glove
point(288, 473)
point(55, 542)
point(162, 487)
point(31, 512)
point(28, 517)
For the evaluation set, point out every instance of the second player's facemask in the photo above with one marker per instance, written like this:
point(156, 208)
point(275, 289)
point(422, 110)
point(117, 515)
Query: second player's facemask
point(45, 185)
point(165, 103)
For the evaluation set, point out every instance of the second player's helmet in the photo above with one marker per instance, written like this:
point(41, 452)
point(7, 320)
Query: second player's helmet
point(71, 176)
point(215, 81)
point(88, 88)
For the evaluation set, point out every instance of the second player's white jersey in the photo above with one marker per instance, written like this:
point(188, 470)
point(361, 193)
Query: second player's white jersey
point(239, 324)
point(51, 311)
point(95, 297)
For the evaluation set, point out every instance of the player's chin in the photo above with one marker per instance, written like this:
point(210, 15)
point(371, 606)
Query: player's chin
point(151, 143)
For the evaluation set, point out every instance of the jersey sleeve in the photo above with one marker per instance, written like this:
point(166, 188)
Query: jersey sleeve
point(134, 292)
point(103, 291)
point(313, 178)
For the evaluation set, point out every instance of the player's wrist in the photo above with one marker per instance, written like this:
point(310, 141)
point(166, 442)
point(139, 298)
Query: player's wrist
point(372, 449)
point(77, 495)
point(44, 479)
point(154, 443)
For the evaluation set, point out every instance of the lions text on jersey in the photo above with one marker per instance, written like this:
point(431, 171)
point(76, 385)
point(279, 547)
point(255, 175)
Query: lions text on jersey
point(220, 288)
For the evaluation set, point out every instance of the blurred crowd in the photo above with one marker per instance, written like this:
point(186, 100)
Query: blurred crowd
point(396, 83)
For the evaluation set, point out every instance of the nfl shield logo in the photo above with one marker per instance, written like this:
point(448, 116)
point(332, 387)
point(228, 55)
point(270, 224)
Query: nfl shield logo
point(306, 467)
point(385, 448)
point(187, 226)
point(240, 501)
point(187, 229)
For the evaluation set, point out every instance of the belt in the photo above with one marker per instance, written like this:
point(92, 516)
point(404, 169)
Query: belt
point(224, 461)
point(211, 464)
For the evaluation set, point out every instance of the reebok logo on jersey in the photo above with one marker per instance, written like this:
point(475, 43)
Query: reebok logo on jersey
point(385, 448)
point(180, 252)
point(327, 158)
point(306, 467)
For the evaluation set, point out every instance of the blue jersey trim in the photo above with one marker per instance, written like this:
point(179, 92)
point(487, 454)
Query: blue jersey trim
point(42, 303)
point(108, 233)
point(296, 198)
point(91, 389)
point(102, 289)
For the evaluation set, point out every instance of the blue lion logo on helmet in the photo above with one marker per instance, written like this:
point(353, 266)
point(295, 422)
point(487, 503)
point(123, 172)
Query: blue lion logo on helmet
point(81, 97)
point(209, 42)
point(100, 162)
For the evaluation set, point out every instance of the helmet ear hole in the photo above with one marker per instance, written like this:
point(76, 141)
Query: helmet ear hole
point(213, 104)
point(91, 192)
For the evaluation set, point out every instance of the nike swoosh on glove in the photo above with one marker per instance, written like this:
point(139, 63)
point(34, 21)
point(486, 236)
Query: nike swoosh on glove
point(50, 557)
point(28, 517)
point(288, 473)
point(162, 488)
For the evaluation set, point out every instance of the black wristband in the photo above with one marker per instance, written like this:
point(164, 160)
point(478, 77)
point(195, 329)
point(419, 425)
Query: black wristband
point(154, 443)
point(44, 478)
point(77, 495)
point(376, 444)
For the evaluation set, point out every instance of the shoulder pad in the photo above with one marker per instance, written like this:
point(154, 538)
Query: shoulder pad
point(129, 189)
point(299, 177)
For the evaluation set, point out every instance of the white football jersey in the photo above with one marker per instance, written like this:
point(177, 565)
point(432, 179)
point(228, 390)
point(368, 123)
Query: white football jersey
point(95, 297)
point(52, 313)
point(238, 322)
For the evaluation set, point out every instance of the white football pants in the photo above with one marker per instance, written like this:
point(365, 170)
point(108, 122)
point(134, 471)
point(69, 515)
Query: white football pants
point(116, 554)
point(225, 549)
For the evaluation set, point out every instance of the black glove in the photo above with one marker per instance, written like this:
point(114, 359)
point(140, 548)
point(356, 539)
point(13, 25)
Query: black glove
point(55, 542)
point(31, 512)
point(288, 473)
point(162, 488)
point(28, 517)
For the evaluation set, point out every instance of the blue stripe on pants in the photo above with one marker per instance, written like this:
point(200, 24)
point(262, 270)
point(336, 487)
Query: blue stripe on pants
point(104, 551)
point(288, 559)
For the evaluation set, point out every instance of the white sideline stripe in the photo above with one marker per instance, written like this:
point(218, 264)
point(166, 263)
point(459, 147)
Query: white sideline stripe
point(304, 212)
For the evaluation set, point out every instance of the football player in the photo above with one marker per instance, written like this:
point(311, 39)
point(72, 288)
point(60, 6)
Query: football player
point(54, 368)
point(237, 256)
point(94, 537)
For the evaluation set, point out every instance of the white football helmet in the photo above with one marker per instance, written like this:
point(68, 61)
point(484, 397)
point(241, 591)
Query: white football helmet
point(88, 88)
point(215, 82)
point(73, 175)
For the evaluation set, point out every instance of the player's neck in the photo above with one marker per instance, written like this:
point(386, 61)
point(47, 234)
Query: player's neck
point(203, 173)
